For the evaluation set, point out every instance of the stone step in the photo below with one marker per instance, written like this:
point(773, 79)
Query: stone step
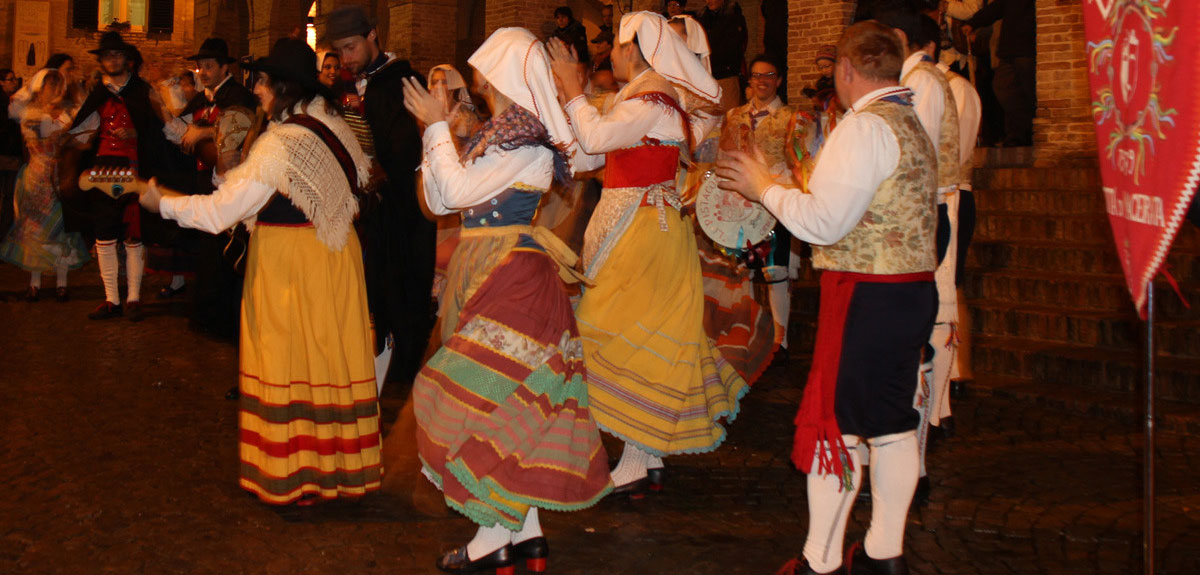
point(1067, 258)
point(1049, 325)
point(1010, 226)
point(1076, 291)
point(1004, 157)
point(1106, 370)
point(1026, 178)
point(1045, 202)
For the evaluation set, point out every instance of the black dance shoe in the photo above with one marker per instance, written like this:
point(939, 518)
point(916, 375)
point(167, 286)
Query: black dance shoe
point(135, 311)
point(858, 563)
point(456, 561)
point(170, 292)
point(534, 551)
point(655, 476)
point(635, 489)
point(31, 295)
point(106, 310)
point(799, 566)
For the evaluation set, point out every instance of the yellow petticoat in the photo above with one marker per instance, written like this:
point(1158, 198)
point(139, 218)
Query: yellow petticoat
point(654, 377)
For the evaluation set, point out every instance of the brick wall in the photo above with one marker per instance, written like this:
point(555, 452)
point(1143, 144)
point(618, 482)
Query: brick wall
point(422, 31)
point(812, 24)
point(1063, 130)
point(531, 14)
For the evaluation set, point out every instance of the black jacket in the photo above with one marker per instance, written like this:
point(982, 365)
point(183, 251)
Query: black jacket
point(726, 31)
point(575, 35)
point(1018, 35)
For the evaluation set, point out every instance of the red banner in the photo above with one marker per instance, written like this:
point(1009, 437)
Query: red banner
point(1144, 67)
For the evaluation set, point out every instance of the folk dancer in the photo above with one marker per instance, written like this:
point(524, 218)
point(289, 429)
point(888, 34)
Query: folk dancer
point(655, 380)
point(503, 424)
point(871, 217)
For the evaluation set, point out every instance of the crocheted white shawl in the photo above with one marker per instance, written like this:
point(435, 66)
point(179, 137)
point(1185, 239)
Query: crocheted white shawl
point(296, 162)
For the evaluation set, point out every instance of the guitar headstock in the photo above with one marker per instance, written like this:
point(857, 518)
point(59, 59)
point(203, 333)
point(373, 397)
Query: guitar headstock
point(113, 181)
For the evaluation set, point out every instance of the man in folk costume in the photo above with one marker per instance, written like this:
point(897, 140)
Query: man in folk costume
point(120, 124)
point(870, 216)
point(935, 106)
point(655, 380)
point(503, 424)
point(399, 243)
point(214, 130)
point(970, 115)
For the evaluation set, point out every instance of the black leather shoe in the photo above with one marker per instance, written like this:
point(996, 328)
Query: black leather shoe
point(858, 563)
point(799, 566)
point(921, 496)
point(233, 393)
point(655, 477)
point(135, 312)
point(170, 292)
point(106, 310)
point(60, 294)
point(634, 489)
point(456, 561)
point(534, 551)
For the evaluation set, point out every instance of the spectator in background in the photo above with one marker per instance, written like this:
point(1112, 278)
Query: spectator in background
point(823, 93)
point(571, 32)
point(606, 19)
point(9, 83)
point(602, 57)
point(676, 8)
point(11, 149)
point(725, 27)
point(331, 71)
point(775, 43)
point(1016, 79)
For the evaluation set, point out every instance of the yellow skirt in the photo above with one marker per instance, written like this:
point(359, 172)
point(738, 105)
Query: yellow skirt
point(309, 416)
point(655, 379)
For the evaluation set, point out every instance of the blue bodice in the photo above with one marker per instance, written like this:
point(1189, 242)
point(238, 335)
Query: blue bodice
point(514, 206)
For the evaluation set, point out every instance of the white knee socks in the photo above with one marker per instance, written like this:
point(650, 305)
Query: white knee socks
point(61, 276)
point(781, 300)
point(893, 482)
point(106, 255)
point(632, 466)
point(135, 265)
point(35, 279)
point(177, 281)
point(829, 505)
point(532, 527)
point(486, 540)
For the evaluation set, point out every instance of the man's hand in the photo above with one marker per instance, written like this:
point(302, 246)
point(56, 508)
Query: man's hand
point(746, 175)
point(421, 104)
point(150, 196)
point(565, 65)
point(194, 135)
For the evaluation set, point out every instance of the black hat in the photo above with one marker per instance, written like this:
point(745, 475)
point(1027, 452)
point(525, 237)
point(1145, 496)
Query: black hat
point(290, 59)
point(214, 48)
point(603, 36)
point(347, 21)
point(112, 41)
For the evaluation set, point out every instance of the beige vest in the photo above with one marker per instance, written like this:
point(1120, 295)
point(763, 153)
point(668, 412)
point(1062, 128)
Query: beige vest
point(947, 153)
point(896, 235)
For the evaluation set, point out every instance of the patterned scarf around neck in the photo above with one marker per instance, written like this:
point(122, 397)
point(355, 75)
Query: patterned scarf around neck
point(516, 128)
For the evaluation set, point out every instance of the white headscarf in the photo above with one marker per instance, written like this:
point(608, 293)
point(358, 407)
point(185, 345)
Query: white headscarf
point(518, 66)
point(35, 84)
point(666, 52)
point(697, 40)
point(454, 83)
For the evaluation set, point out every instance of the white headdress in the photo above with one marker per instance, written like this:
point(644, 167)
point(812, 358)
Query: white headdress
point(35, 84)
point(697, 40)
point(517, 65)
point(666, 52)
point(454, 83)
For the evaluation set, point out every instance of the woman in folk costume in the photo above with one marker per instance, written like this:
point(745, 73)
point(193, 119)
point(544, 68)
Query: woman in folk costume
point(38, 241)
point(309, 416)
point(448, 86)
point(655, 380)
point(503, 424)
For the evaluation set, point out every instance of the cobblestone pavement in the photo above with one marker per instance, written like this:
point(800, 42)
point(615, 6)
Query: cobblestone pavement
point(120, 456)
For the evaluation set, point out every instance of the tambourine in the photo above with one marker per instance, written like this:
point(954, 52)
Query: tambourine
point(729, 219)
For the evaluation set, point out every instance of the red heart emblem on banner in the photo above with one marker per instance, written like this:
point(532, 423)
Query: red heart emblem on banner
point(1144, 66)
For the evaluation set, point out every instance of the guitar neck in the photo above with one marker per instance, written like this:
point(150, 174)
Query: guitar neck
point(113, 182)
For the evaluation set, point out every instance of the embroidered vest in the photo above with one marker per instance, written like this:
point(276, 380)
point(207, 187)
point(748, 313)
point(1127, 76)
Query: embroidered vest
point(947, 152)
point(896, 235)
point(114, 116)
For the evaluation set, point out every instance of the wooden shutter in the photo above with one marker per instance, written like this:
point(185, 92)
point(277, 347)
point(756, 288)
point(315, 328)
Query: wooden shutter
point(160, 17)
point(85, 14)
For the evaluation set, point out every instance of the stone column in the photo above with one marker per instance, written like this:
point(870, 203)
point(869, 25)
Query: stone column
point(812, 24)
point(536, 15)
point(423, 32)
point(1063, 129)
point(274, 19)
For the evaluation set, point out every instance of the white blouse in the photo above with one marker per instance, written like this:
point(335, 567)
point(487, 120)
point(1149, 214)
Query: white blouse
point(451, 186)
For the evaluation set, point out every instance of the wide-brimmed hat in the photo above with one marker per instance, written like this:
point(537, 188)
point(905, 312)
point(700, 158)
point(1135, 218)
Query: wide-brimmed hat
point(214, 48)
point(347, 21)
point(290, 59)
point(112, 41)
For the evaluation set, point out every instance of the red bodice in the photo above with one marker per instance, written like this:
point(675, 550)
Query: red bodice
point(114, 117)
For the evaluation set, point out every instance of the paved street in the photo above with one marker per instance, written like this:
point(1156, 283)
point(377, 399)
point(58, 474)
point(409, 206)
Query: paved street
point(120, 456)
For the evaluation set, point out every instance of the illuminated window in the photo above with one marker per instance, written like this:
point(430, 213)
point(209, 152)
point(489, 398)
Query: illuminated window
point(151, 16)
point(131, 11)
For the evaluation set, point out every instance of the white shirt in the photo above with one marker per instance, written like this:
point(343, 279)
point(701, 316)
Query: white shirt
point(929, 100)
point(861, 152)
point(232, 202)
point(451, 186)
point(966, 99)
point(625, 125)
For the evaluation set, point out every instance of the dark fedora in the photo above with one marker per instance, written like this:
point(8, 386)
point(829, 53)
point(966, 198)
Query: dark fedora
point(112, 41)
point(290, 59)
point(347, 21)
point(214, 48)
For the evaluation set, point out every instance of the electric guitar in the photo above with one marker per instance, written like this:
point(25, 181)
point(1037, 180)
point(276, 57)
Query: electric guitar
point(114, 182)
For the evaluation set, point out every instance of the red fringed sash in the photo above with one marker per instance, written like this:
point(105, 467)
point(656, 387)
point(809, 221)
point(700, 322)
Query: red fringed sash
point(816, 421)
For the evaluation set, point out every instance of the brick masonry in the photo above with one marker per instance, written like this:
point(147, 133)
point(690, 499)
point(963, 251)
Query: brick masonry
point(812, 24)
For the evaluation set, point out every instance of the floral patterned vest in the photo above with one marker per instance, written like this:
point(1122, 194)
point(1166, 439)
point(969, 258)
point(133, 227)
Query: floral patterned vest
point(896, 235)
point(947, 154)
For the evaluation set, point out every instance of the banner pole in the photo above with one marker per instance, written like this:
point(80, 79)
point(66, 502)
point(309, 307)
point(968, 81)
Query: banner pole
point(1148, 512)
